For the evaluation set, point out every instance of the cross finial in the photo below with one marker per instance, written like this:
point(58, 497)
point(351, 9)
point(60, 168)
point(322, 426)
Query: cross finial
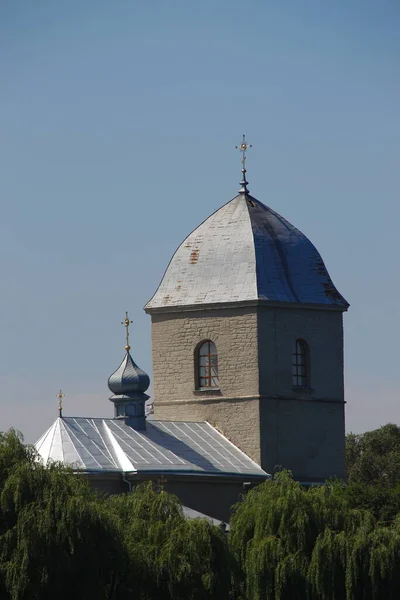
point(243, 149)
point(126, 322)
point(60, 397)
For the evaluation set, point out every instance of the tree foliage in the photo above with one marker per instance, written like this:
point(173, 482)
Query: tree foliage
point(174, 557)
point(58, 539)
point(340, 541)
point(374, 457)
point(373, 472)
point(382, 501)
point(52, 529)
point(306, 544)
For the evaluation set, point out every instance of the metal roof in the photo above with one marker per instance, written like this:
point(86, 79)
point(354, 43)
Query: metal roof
point(246, 251)
point(190, 513)
point(165, 446)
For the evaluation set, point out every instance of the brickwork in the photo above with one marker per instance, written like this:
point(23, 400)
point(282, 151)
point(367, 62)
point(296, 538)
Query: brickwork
point(258, 409)
point(302, 430)
point(234, 331)
point(323, 332)
point(305, 436)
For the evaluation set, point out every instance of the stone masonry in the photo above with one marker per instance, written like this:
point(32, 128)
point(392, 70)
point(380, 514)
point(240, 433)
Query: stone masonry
point(234, 412)
point(257, 407)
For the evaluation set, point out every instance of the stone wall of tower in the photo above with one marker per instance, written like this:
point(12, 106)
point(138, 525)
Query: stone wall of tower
point(258, 409)
point(302, 430)
point(236, 412)
point(305, 436)
point(322, 330)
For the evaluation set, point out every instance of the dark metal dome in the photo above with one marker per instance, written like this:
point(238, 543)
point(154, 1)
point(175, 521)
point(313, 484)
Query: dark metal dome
point(128, 379)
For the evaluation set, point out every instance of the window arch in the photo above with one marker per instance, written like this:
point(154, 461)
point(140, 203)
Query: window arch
point(301, 364)
point(207, 365)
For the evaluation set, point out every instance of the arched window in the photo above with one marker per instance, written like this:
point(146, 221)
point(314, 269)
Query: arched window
point(207, 365)
point(300, 364)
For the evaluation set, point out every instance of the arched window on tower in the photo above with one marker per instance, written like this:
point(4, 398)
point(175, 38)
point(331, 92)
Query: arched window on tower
point(207, 365)
point(301, 364)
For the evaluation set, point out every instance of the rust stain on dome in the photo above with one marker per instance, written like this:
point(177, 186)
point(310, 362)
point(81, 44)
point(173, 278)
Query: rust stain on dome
point(194, 256)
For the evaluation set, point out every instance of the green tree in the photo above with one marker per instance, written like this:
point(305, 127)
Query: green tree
point(57, 540)
point(374, 457)
point(341, 541)
point(382, 501)
point(173, 558)
point(309, 544)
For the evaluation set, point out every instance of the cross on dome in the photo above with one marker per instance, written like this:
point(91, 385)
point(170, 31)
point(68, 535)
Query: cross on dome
point(126, 323)
point(244, 146)
point(243, 149)
point(128, 379)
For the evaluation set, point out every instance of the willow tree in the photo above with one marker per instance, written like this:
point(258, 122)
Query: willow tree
point(57, 540)
point(306, 544)
point(12, 453)
point(60, 540)
point(172, 558)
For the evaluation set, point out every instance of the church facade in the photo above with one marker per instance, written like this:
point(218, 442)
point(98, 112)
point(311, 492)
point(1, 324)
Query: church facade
point(247, 351)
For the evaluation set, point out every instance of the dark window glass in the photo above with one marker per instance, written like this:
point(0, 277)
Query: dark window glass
point(207, 374)
point(300, 368)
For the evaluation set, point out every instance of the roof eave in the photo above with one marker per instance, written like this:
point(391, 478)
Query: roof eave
point(193, 473)
point(343, 307)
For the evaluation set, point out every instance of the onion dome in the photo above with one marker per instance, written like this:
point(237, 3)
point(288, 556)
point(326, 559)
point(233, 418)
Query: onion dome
point(128, 379)
point(128, 384)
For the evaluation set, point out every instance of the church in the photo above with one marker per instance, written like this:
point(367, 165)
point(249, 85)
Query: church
point(247, 352)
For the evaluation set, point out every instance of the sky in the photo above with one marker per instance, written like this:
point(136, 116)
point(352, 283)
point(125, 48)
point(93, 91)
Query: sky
point(118, 126)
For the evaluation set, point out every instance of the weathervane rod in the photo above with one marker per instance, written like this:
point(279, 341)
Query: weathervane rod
point(243, 149)
point(60, 397)
point(126, 322)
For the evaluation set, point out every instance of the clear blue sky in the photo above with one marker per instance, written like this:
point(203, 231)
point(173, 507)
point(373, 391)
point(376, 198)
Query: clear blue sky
point(118, 123)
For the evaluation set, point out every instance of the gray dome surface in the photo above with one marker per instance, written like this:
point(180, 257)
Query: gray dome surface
point(128, 378)
point(246, 251)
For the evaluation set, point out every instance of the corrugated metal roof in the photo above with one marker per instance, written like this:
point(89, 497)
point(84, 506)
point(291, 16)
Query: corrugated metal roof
point(246, 251)
point(165, 446)
point(190, 513)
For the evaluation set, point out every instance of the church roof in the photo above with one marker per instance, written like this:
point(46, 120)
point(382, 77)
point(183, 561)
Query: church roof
point(190, 513)
point(104, 445)
point(246, 251)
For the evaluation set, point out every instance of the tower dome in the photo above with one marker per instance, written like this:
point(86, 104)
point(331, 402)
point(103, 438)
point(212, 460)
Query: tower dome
point(128, 379)
point(128, 385)
point(245, 251)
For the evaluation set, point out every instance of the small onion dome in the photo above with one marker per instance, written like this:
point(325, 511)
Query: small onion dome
point(128, 379)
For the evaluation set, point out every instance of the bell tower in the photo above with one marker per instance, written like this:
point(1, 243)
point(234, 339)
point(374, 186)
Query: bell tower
point(247, 334)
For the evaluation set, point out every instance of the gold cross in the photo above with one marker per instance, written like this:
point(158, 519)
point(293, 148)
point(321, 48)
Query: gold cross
point(126, 322)
point(60, 397)
point(243, 148)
